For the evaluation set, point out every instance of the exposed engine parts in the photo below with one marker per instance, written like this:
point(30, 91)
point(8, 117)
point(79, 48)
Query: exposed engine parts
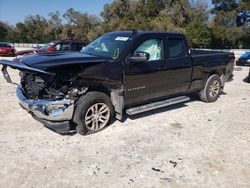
point(38, 87)
point(74, 93)
point(33, 85)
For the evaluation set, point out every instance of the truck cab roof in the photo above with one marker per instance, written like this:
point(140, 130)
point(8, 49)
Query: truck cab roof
point(150, 33)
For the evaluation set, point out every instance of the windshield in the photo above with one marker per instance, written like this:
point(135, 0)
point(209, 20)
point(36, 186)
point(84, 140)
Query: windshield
point(110, 46)
point(46, 46)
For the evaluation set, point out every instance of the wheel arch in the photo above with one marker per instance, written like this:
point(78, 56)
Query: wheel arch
point(115, 94)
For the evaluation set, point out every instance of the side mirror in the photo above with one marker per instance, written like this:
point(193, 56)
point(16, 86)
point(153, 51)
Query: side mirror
point(139, 57)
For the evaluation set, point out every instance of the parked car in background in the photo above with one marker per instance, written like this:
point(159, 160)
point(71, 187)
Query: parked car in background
point(54, 46)
point(244, 60)
point(6, 49)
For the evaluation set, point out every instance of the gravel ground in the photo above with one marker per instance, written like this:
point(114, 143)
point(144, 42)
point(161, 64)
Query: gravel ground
point(191, 145)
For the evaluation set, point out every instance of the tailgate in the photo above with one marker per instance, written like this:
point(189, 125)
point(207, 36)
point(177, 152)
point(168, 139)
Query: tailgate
point(20, 66)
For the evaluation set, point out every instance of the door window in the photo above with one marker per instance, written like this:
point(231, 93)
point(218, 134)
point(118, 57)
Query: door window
point(176, 48)
point(154, 47)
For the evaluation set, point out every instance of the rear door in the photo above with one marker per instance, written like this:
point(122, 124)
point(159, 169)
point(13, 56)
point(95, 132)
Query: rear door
point(178, 66)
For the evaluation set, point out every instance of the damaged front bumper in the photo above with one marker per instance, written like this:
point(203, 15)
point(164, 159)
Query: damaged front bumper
point(54, 114)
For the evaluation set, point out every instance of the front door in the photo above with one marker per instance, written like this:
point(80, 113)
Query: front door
point(142, 80)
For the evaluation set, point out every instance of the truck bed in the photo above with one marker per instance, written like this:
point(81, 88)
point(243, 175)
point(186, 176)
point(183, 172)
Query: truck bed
point(195, 52)
point(208, 58)
point(205, 61)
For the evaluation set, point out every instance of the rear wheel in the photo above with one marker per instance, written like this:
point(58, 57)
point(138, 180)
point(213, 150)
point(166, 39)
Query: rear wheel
point(93, 112)
point(211, 91)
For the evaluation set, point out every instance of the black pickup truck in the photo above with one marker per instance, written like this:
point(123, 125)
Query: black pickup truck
point(119, 72)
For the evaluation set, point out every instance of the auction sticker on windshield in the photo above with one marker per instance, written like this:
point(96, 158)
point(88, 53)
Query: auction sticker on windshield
point(122, 38)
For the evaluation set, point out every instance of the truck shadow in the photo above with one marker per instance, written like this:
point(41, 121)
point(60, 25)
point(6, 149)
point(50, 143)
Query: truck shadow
point(246, 80)
point(153, 112)
point(193, 97)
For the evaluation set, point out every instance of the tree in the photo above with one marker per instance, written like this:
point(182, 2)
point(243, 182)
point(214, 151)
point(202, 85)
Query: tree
point(199, 35)
point(3, 31)
point(158, 15)
point(80, 25)
point(227, 27)
point(230, 23)
point(199, 11)
point(178, 12)
point(35, 27)
point(55, 25)
point(243, 16)
point(117, 16)
point(21, 32)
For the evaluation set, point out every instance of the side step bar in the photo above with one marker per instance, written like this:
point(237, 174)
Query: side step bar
point(155, 105)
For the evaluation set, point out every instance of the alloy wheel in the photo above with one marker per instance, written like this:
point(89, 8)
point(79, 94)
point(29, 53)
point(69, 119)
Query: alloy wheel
point(97, 116)
point(214, 89)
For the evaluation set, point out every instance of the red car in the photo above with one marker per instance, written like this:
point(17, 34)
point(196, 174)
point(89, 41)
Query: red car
point(6, 49)
point(62, 45)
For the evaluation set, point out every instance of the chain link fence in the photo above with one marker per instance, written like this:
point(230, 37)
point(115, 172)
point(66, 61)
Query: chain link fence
point(26, 45)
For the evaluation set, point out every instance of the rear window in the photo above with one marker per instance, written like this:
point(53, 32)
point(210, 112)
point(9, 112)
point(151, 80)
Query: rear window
point(76, 46)
point(176, 48)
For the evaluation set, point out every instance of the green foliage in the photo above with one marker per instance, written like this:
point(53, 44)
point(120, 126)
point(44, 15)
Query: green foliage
point(80, 25)
point(225, 26)
point(230, 24)
point(199, 35)
point(3, 31)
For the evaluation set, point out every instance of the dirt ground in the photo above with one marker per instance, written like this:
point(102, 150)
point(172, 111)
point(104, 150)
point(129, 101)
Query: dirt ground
point(191, 145)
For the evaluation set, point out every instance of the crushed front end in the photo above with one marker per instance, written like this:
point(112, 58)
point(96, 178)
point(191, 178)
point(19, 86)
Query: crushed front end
point(54, 114)
point(50, 98)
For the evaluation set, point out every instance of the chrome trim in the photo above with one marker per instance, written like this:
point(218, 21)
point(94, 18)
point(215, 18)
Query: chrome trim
point(51, 110)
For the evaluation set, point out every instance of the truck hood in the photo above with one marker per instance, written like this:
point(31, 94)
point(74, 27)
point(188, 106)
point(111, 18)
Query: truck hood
point(41, 63)
point(45, 61)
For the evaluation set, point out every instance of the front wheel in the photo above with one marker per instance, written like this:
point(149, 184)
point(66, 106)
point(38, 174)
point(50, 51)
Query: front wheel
point(93, 112)
point(211, 91)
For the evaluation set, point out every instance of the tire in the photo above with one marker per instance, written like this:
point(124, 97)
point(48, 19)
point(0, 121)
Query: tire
point(212, 89)
point(93, 112)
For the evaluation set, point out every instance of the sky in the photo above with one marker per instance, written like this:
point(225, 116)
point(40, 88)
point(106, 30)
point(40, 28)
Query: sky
point(13, 11)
